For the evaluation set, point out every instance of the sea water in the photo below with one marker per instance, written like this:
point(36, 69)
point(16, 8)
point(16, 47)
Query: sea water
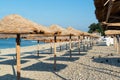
point(11, 43)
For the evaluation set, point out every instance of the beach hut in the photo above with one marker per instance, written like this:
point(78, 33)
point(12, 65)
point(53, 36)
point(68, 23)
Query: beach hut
point(16, 24)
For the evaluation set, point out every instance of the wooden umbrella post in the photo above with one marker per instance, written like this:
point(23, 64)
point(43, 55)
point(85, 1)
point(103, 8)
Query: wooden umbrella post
point(38, 48)
point(51, 48)
point(66, 46)
point(55, 36)
point(83, 43)
point(70, 47)
point(60, 47)
point(90, 41)
point(115, 41)
point(18, 56)
point(79, 44)
point(118, 44)
point(87, 42)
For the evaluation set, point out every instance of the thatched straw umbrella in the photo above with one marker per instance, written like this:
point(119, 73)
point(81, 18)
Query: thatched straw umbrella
point(76, 33)
point(57, 31)
point(115, 34)
point(15, 24)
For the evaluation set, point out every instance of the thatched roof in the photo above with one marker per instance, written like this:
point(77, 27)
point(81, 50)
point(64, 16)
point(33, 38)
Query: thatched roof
point(112, 32)
point(74, 31)
point(56, 28)
point(17, 24)
point(108, 11)
point(102, 7)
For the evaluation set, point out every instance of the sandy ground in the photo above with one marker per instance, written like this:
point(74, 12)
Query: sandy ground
point(97, 63)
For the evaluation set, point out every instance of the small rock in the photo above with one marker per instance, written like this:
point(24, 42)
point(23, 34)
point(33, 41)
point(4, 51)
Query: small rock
point(93, 57)
point(106, 60)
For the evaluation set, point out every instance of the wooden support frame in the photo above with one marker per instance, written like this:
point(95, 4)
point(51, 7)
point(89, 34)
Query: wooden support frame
point(18, 56)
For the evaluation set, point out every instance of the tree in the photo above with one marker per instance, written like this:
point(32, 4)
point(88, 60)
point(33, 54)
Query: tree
point(95, 27)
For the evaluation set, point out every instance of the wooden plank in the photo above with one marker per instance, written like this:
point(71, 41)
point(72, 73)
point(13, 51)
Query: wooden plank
point(18, 56)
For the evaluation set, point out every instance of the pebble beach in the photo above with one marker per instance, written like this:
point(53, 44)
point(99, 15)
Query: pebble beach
point(99, 62)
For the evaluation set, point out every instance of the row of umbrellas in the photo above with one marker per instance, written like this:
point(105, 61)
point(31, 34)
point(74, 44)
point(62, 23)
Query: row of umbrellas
point(22, 27)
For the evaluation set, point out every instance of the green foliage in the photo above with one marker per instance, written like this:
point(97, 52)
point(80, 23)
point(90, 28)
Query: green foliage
point(95, 27)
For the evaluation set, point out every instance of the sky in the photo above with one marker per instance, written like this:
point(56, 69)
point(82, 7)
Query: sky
point(76, 13)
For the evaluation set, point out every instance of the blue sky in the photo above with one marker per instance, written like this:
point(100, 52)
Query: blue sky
point(76, 13)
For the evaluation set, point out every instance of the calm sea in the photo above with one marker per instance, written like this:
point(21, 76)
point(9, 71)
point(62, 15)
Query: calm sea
point(11, 43)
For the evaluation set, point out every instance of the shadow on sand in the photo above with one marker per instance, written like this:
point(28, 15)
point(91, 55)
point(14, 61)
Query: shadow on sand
point(110, 61)
point(44, 67)
point(12, 62)
point(32, 57)
point(12, 77)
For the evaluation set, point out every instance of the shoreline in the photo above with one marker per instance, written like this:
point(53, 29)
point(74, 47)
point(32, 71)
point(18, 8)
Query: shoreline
point(30, 48)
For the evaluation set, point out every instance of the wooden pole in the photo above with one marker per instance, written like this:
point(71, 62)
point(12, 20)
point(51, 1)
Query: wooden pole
point(79, 44)
point(18, 56)
point(51, 48)
point(83, 43)
point(118, 44)
point(115, 42)
point(38, 48)
point(60, 47)
point(70, 46)
point(87, 43)
point(66, 46)
point(55, 36)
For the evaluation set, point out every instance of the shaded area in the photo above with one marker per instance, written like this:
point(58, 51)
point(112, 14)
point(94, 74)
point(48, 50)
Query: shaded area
point(64, 58)
point(9, 54)
point(12, 77)
point(32, 57)
point(12, 62)
point(44, 67)
point(2, 58)
point(110, 61)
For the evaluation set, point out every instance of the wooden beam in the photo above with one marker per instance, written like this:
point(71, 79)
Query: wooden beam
point(109, 10)
point(18, 56)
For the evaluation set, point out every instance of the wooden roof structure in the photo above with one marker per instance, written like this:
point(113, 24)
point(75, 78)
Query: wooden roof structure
point(108, 11)
point(112, 32)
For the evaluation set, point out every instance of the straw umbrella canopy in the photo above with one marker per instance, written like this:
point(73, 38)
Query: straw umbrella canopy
point(108, 11)
point(16, 24)
point(74, 31)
